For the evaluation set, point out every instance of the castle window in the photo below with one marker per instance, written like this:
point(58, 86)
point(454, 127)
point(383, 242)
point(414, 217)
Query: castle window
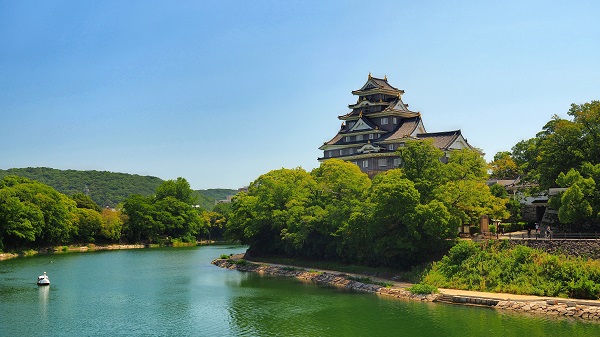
point(341, 153)
point(384, 120)
point(359, 137)
point(350, 151)
point(370, 136)
point(391, 147)
point(382, 162)
point(365, 163)
point(347, 139)
point(395, 120)
point(396, 162)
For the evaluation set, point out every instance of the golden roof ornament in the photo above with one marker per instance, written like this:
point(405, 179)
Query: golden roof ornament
point(370, 77)
point(360, 114)
point(385, 78)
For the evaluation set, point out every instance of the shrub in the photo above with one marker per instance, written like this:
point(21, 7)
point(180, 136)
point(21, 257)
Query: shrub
point(423, 289)
point(224, 257)
point(498, 267)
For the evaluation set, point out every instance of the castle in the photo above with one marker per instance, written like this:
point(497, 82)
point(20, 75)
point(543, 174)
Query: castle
point(378, 124)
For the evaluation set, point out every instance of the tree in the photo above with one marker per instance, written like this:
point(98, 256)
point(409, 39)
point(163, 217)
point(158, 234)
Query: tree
point(112, 224)
point(341, 187)
point(84, 201)
point(504, 167)
point(139, 225)
point(214, 224)
point(29, 207)
point(466, 164)
point(468, 200)
point(422, 166)
point(587, 115)
point(19, 221)
point(88, 223)
point(178, 189)
point(560, 149)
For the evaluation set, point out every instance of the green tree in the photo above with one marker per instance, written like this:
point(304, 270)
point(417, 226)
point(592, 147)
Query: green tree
point(178, 189)
point(88, 224)
point(112, 224)
point(20, 222)
point(341, 188)
point(560, 149)
point(84, 201)
point(504, 167)
point(24, 201)
point(139, 225)
point(421, 165)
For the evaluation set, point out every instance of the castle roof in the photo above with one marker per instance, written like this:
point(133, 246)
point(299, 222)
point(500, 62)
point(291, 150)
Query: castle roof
point(444, 140)
point(374, 83)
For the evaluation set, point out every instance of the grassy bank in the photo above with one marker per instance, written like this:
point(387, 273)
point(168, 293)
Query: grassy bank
point(495, 266)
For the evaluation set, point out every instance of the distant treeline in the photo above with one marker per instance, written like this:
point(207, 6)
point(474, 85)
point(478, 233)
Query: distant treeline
point(107, 188)
point(33, 214)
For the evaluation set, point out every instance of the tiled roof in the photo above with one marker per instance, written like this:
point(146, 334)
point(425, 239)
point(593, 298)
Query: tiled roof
point(335, 139)
point(379, 83)
point(441, 140)
point(367, 121)
point(406, 128)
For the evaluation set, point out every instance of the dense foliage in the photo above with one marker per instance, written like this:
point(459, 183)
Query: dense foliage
point(401, 217)
point(169, 214)
point(495, 266)
point(34, 214)
point(108, 188)
point(565, 154)
point(105, 188)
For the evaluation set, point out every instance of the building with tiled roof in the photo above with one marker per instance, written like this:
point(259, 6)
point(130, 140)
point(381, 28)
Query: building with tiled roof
point(378, 124)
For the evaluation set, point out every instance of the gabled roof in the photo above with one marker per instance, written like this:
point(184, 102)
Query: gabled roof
point(362, 124)
point(398, 105)
point(444, 140)
point(374, 83)
point(405, 129)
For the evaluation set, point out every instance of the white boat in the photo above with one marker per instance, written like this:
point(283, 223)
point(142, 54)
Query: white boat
point(43, 280)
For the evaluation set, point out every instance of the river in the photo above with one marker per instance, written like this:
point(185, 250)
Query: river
point(177, 292)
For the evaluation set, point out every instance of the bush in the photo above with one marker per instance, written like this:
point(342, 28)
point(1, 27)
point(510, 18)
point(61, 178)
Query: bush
point(423, 289)
point(224, 257)
point(495, 266)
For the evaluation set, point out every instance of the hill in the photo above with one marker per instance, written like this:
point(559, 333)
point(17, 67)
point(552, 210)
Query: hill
point(107, 188)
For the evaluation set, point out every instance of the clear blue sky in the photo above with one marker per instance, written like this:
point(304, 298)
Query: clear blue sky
point(219, 92)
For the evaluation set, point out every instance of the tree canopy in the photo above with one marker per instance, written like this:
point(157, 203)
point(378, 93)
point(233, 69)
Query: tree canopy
point(398, 218)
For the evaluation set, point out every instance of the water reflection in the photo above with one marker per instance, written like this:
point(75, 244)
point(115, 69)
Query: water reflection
point(44, 298)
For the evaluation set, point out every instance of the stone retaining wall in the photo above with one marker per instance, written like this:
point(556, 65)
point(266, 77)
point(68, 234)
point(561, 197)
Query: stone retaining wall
point(336, 279)
point(584, 248)
point(550, 307)
point(553, 308)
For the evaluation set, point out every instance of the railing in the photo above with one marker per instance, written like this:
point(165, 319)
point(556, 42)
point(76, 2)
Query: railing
point(550, 236)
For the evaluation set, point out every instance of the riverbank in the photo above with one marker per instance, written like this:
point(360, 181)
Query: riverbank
point(93, 247)
point(535, 305)
point(67, 249)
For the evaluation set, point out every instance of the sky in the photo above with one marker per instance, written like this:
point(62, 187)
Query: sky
point(220, 92)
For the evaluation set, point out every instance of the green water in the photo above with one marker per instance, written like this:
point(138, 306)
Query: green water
point(177, 292)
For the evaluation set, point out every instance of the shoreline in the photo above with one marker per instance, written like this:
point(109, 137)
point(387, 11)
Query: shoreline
point(588, 310)
point(68, 249)
point(64, 249)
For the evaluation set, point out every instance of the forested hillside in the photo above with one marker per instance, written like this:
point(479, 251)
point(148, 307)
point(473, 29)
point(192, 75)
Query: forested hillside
point(107, 188)
point(208, 198)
